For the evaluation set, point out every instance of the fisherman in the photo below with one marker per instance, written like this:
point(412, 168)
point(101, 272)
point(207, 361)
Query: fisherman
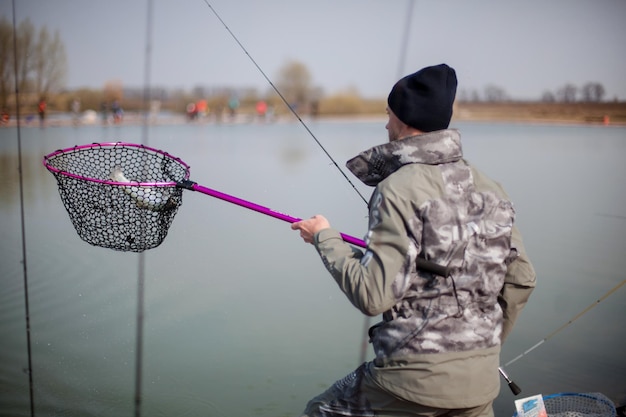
point(437, 348)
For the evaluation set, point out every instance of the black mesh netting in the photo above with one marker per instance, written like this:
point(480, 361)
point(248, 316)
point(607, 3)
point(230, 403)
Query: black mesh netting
point(132, 217)
point(589, 404)
point(593, 404)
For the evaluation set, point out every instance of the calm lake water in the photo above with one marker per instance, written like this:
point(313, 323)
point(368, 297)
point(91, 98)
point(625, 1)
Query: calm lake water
point(241, 318)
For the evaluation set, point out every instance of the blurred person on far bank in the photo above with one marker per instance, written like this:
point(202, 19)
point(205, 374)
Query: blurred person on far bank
point(437, 347)
point(76, 111)
point(5, 117)
point(41, 110)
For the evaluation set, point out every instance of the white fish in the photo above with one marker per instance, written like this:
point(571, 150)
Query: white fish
point(150, 198)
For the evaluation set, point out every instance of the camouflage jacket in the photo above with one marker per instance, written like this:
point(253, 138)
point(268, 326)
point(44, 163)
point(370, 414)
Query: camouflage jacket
point(444, 332)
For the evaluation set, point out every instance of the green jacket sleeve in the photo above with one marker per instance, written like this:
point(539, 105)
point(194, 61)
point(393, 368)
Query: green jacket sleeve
point(367, 278)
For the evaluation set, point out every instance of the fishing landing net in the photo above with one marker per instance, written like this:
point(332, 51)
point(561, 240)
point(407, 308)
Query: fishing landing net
point(124, 196)
point(572, 404)
point(120, 196)
point(566, 404)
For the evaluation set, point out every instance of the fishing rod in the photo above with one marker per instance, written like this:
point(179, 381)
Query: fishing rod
point(572, 320)
point(29, 369)
point(512, 385)
point(141, 259)
point(295, 113)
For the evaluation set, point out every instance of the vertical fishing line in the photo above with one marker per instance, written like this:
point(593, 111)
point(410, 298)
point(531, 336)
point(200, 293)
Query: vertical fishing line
point(405, 38)
point(29, 370)
point(139, 334)
point(141, 261)
point(285, 101)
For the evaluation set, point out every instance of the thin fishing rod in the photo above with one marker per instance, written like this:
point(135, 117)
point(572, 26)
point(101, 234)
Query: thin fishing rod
point(512, 385)
point(405, 38)
point(141, 261)
point(579, 315)
point(139, 334)
point(284, 100)
point(29, 370)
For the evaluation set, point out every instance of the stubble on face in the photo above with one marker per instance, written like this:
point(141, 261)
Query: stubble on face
point(397, 129)
point(393, 126)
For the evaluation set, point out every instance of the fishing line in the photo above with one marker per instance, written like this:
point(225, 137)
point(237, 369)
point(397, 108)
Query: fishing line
point(576, 317)
point(405, 38)
point(29, 370)
point(285, 100)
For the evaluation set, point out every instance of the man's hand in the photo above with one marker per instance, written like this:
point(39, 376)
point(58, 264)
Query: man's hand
point(309, 227)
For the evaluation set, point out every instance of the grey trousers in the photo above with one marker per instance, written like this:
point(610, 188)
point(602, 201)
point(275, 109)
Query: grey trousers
point(357, 395)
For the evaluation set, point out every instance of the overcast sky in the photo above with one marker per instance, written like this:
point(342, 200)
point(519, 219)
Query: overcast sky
point(526, 47)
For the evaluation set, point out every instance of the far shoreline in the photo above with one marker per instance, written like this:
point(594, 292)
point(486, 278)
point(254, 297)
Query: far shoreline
point(579, 114)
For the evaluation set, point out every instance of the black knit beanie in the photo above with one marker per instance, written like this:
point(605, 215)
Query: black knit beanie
point(423, 100)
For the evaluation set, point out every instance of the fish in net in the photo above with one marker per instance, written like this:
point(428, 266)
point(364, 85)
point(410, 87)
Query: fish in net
point(119, 196)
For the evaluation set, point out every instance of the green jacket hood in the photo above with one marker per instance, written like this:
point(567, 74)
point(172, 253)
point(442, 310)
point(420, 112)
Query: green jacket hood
point(377, 163)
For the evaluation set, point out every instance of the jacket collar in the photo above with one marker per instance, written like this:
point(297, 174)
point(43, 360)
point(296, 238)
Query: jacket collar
point(432, 148)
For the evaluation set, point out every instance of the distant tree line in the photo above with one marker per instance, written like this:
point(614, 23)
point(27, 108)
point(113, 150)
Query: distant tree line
point(591, 92)
point(569, 93)
point(39, 61)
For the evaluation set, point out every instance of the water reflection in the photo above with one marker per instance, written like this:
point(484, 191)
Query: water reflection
point(241, 318)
